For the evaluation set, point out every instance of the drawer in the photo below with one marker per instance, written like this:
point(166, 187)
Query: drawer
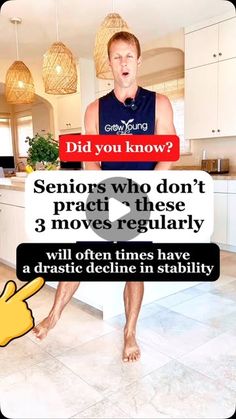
point(12, 197)
point(221, 186)
point(232, 186)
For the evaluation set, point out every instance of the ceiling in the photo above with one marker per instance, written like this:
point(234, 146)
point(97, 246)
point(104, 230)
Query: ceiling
point(80, 19)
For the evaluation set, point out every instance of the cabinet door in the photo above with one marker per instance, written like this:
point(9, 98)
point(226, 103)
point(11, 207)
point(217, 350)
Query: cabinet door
point(232, 219)
point(12, 231)
point(232, 212)
point(201, 47)
point(227, 98)
point(227, 39)
point(220, 218)
point(69, 112)
point(201, 102)
point(41, 119)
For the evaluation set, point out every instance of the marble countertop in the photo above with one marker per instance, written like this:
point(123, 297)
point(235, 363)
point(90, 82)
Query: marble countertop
point(215, 176)
point(6, 183)
point(225, 176)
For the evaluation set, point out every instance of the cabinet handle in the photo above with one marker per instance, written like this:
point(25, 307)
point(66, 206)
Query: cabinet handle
point(218, 130)
point(220, 53)
point(212, 130)
point(43, 130)
point(214, 55)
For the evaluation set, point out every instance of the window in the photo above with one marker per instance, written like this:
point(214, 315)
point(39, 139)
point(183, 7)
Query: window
point(174, 90)
point(24, 126)
point(6, 137)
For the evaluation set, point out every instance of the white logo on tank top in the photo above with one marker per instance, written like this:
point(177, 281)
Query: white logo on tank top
point(126, 127)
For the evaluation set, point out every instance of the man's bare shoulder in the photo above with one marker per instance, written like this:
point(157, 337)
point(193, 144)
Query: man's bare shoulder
point(92, 108)
point(163, 101)
point(91, 118)
point(163, 107)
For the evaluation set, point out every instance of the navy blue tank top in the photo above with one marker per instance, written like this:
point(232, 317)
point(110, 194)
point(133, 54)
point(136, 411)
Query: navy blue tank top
point(116, 118)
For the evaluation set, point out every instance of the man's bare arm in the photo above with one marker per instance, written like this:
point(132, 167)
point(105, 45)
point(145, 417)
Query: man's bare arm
point(164, 124)
point(91, 128)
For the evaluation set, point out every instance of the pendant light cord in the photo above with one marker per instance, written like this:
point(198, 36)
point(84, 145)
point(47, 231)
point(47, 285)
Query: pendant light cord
point(57, 26)
point(16, 37)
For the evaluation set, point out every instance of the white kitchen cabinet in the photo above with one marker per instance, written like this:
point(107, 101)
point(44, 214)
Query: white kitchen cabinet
point(210, 100)
point(210, 87)
point(227, 39)
point(201, 47)
point(225, 214)
point(232, 212)
point(201, 102)
point(232, 219)
point(210, 44)
point(227, 98)
point(220, 218)
point(41, 119)
point(12, 231)
point(69, 113)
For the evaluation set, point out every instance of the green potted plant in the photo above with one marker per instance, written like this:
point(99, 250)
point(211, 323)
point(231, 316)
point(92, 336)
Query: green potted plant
point(43, 152)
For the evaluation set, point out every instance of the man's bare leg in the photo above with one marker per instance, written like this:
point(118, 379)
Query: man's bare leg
point(133, 296)
point(64, 293)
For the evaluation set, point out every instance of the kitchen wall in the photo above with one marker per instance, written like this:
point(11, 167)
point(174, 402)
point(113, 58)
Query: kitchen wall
point(4, 106)
point(215, 147)
point(172, 40)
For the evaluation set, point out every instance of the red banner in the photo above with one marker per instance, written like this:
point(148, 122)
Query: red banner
point(75, 147)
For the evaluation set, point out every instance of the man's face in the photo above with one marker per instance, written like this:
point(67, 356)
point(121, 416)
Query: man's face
point(124, 63)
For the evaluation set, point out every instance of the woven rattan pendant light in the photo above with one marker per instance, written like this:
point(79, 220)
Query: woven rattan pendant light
point(19, 85)
point(112, 23)
point(59, 68)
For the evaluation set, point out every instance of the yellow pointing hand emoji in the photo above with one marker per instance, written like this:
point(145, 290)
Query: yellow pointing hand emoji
point(16, 318)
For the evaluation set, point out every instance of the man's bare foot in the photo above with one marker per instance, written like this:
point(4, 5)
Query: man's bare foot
point(41, 330)
point(131, 350)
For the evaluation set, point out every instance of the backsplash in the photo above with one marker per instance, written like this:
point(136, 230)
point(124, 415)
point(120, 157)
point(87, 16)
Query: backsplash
point(215, 147)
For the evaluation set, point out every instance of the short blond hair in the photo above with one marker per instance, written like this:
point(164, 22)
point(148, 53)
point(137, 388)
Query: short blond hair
point(126, 37)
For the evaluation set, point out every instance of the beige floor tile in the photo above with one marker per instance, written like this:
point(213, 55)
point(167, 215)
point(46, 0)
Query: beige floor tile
point(227, 291)
point(99, 363)
point(174, 334)
point(20, 354)
point(6, 273)
point(229, 268)
point(208, 308)
point(228, 263)
point(175, 391)
point(179, 297)
point(211, 286)
point(74, 328)
point(147, 310)
point(47, 390)
point(102, 410)
point(216, 359)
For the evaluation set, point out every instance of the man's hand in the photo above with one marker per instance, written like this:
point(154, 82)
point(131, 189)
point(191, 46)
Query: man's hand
point(16, 318)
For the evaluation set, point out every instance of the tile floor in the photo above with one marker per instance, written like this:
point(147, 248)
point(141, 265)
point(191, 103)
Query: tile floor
point(187, 370)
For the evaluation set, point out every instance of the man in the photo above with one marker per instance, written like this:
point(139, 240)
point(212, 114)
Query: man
point(128, 109)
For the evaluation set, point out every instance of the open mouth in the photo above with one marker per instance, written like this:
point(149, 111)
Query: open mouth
point(125, 73)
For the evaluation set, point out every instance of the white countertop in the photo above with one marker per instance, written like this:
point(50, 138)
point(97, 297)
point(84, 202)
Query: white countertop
point(7, 183)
